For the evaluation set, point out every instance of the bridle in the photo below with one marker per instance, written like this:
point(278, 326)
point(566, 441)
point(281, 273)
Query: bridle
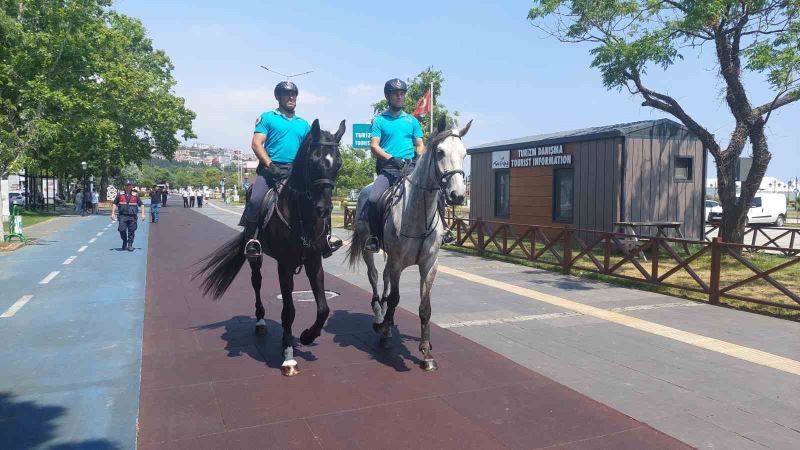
point(442, 177)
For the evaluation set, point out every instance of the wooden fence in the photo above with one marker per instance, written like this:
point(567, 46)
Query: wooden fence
point(714, 269)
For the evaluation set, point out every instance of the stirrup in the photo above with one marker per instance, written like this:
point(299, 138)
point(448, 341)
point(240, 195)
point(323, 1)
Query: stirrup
point(372, 244)
point(252, 249)
point(448, 237)
point(334, 243)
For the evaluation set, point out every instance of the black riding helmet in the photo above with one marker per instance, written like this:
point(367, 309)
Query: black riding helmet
point(395, 84)
point(285, 86)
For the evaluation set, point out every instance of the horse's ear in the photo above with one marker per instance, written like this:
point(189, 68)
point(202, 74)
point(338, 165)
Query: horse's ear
point(339, 133)
point(441, 125)
point(315, 129)
point(464, 130)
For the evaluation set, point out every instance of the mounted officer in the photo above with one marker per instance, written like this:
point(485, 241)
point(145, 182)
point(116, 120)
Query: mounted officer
point(396, 142)
point(276, 140)
point(129, 205)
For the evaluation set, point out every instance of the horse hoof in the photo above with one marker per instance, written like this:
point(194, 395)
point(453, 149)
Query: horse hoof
point(307, 338)
point(429, 365)
point(290, 370)
point(261, 330)
point(386, 342)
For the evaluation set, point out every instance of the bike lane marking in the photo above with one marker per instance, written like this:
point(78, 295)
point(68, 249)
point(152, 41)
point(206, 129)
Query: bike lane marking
point(17, 306)
point(49, 277)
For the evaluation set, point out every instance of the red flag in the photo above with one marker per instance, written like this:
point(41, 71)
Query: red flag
point(424, 105)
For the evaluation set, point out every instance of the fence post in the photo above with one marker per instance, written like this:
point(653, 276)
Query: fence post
point(654, 249)
point(606, 252)
point(566, 257)
point(716, 259)
point(479, 227)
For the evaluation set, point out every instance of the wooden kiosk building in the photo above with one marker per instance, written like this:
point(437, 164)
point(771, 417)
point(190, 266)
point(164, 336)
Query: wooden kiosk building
point(649, 171)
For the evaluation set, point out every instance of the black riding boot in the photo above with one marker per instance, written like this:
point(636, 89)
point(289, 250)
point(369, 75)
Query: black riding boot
point(252, 249)
point(130, 245)
point(372, 245)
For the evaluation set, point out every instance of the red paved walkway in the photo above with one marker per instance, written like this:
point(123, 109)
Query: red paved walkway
point(209, 382)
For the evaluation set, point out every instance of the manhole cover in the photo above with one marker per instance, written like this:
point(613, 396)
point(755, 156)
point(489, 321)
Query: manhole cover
point(307, 296)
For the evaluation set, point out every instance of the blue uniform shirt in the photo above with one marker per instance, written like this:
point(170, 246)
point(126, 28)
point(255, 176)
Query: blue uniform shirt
point(284, 135)
point(397, 134)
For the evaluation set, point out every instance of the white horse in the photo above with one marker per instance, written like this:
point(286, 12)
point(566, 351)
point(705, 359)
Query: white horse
point(413, 230)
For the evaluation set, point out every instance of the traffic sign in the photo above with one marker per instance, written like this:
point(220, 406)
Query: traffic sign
point(361, 135)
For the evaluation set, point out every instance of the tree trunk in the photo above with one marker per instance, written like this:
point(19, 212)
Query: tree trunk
point(733, 215)
point(104, 184)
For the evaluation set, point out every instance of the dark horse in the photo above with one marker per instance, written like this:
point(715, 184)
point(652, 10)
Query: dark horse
point(296, 235)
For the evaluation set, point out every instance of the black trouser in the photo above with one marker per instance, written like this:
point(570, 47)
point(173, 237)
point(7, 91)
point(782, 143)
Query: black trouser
point(164, 200)
point(191, 201)
point(261, 185)
point(185, 202)
point(127, 228)
point(199, 202)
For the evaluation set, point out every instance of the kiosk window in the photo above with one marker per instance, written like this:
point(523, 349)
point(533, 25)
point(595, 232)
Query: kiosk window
point(683, 169)
point(501, 193)
point(563, 195)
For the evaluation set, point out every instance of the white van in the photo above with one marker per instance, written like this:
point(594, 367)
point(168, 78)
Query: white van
point(766, 208)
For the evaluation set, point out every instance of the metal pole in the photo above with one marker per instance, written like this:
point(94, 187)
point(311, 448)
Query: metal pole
point(433, 103)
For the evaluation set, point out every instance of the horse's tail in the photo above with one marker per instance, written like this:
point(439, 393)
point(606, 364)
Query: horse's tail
point(356, 247)
point(221, 266)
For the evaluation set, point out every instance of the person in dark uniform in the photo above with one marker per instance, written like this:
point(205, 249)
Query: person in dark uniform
point(164, 194)
point(129, 204)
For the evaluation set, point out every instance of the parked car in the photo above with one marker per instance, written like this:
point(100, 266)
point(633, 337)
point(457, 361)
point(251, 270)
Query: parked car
point(15, 198)
point(712, 206)
point(766, 208)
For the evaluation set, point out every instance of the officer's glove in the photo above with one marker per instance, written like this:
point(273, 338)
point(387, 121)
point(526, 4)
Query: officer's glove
point(274, 172)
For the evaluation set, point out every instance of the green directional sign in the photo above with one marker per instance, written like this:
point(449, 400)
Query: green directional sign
point(361, 135)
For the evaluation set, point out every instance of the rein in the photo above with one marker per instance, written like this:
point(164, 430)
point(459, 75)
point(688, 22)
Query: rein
point(305, 194)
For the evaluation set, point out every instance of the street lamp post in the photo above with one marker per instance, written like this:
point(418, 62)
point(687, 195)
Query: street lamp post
point(83, 200)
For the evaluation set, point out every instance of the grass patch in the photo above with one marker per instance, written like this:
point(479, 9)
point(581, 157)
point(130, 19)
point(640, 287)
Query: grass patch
point(732, 271)
point(32, 218)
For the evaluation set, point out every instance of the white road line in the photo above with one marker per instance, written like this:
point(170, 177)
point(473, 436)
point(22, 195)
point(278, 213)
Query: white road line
point(226, 210)
point(69, 260)
point(49, 277)
point(92, 240)
point(514, 319)
point(741, 352)
point(99, 234)
point(17, 306)
point(82, 249)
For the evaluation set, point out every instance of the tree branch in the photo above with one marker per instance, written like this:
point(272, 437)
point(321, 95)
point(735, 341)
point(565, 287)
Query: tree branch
point(669, 105)
point(779, 101)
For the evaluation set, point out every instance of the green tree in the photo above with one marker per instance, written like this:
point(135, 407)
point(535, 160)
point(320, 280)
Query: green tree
point(630, 37)
point(357, 168)
point(80, 82)
point(417, 87)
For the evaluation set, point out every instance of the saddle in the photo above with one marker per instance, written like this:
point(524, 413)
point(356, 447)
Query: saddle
point(267, 204)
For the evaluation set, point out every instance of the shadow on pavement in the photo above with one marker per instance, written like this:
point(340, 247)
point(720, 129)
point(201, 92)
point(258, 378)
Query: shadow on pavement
point(27, 424)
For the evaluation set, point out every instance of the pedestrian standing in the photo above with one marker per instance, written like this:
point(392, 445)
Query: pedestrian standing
point(200, 195)
point(164, 193)
point(155, 204)
point(129, 204)
point(185, 196)
point(95, 201)
point(191, 197)
point(79, 201)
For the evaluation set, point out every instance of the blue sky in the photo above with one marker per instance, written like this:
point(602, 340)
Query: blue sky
point(499, 70)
